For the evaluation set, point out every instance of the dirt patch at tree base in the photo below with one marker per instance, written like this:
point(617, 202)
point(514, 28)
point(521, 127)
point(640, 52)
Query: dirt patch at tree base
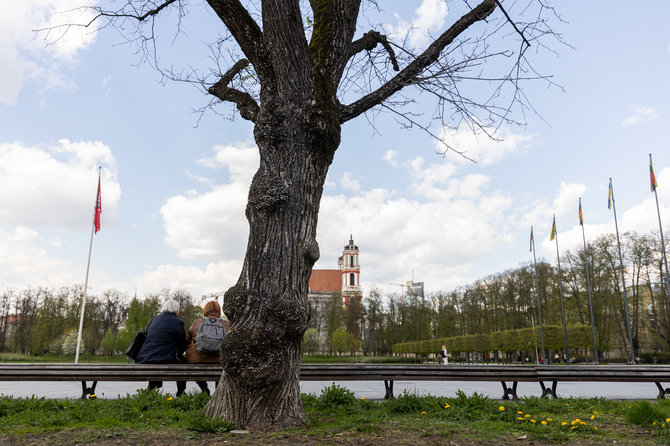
point(184, 438)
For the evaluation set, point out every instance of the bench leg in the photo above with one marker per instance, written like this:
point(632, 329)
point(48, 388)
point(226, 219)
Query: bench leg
point(661, 391)
point(509, 391)
point(87, 391)
point(547, 391)
point(388, 385)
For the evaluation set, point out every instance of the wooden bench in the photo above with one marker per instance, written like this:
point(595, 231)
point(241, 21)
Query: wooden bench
point(505, 374)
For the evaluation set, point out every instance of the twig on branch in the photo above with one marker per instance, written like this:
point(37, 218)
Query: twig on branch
point(512, 22)
point(369, 41)
point(246, 105)
point(407, 75)
point(413, 122)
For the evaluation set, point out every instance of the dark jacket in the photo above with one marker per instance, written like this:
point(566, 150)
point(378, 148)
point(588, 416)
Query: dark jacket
point(192, 354)
point(166, 341)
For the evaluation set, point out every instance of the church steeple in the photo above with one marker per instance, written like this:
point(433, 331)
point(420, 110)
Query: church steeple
point(351, 270)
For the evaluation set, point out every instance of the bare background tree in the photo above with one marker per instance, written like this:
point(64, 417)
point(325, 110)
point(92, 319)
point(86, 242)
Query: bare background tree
point(298, 71)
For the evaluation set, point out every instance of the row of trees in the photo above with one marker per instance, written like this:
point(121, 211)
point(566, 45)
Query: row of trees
point(508, 301)
point(39, 320)
point(42, 320)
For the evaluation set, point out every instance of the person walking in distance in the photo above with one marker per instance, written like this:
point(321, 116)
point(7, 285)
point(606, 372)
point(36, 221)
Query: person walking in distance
point(444, 355)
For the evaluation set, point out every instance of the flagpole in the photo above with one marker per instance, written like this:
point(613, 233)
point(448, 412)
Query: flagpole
point(623, 280)
point(560, 287)
point(660, 227)
point(588, 285)
point(83, 298)
point(537, 289)
point(88, 265)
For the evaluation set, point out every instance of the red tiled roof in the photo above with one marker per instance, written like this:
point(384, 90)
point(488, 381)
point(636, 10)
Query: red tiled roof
point(325, 281)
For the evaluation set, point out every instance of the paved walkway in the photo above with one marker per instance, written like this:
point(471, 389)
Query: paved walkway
point(371, 390)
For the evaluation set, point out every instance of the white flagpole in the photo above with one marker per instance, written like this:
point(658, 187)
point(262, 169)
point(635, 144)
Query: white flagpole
point(88, 266)
point(537, 289)
point(560, 287)
point(588, 285)
point(623, 279)
point(83, 298)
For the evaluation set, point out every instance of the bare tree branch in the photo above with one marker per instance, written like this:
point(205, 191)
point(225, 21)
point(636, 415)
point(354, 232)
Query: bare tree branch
point(428, 57)
point(369, 41)
point(246, 32)
point(245, 103)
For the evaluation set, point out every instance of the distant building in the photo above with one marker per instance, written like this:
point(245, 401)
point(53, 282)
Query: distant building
point(414, 288)
point(345, 280)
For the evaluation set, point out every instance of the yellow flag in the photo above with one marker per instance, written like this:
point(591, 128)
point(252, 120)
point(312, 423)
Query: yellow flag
point(553, 229)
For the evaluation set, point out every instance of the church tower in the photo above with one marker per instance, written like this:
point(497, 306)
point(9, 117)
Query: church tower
point(351, 270)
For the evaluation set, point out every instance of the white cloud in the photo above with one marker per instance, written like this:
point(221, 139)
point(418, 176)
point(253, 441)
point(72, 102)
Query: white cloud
point(439, 232)
point(26, 57)
point(481, 148)
point(57, 184)
point(25, 261)
point(214, 278)
point(348, 182)
point(567, 201)
point(640, 114)
point(241, 160)
point(390, 157)
point(211, 225)
point(429, 19)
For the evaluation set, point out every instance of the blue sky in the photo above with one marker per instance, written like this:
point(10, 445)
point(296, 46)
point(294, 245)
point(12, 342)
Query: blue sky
point(174, 183)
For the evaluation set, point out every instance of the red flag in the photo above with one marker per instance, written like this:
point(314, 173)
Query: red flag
point(98, 208)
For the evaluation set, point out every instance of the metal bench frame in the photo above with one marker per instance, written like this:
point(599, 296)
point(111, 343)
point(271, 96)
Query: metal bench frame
point(508, 375)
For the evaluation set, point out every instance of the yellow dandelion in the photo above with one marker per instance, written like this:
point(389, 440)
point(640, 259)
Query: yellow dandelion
point(566, 404)
point(527, 416)
point(573, 423)
point(595, 428)
point(549, 419)
point(363, 398)
point(593, 417)
point(667, 420)
point(654, 424)
point(573, 427)
point(501, 408)
point(447, 406)
point(169, 398)
point(423, 412)
point(565, 423)
point(582, 423)
point(544, 423)
point(577, 420)
point(519, 412)
point(595, 412)
point(520, 418)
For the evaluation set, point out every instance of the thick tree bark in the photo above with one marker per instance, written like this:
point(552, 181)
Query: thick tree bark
point(268, 306)
point(297, 130)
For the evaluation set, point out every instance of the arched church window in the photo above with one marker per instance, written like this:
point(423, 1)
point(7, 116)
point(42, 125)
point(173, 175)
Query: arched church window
point(352, 280)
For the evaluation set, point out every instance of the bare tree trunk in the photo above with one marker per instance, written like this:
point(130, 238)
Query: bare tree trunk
point(268, 307)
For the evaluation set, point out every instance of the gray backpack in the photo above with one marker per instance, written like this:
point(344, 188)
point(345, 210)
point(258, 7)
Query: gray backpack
point(210, 335)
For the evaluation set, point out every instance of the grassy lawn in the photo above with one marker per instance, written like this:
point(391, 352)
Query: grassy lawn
point(336, 416)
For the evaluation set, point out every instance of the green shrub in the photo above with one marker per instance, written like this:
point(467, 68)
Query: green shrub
point(407, 403)
point(335, 396)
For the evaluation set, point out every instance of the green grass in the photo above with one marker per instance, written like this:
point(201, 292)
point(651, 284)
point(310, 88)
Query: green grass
point(337, 413)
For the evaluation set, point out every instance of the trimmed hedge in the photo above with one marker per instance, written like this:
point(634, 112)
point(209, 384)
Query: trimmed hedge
point(579, 336)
